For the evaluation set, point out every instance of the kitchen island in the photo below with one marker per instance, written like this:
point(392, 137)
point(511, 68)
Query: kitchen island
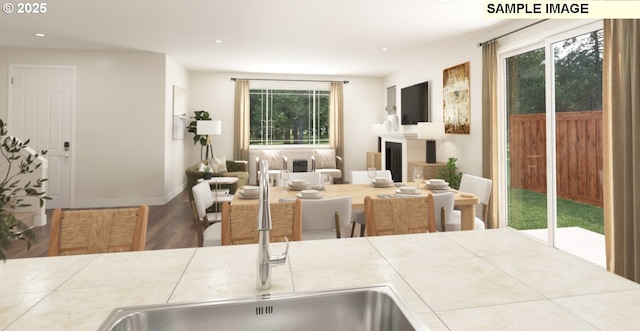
point(470, 280)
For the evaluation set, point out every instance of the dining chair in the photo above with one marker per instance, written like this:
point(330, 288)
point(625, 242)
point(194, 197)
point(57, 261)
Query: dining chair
point(91, 231)
point(314, 178)
point(443, 208)
point(207, 223)
point(239, 222)
point(481, 187)
point(326, 162)
point(277, 161)
point(362, 177)
point(204, 199)
point(325, 218)
point(389, 216)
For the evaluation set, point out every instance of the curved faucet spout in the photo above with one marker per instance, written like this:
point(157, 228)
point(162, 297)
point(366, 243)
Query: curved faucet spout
point(265, 260)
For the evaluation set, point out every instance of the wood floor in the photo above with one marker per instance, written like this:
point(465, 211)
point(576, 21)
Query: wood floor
point(170, 226)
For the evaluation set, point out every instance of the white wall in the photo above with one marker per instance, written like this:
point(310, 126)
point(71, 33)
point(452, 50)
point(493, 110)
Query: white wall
point(177, 152)
point(119, 134)
point(364, 103)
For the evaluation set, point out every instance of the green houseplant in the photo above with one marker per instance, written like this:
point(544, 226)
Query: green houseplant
point(14, 166)
point(451, 174)
point(199, 115)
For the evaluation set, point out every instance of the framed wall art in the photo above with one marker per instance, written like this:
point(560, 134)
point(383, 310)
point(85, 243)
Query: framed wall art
point(456, 108)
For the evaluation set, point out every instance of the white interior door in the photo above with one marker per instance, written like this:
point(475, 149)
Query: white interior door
point(40, 109)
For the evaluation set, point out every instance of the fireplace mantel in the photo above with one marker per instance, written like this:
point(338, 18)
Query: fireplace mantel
point(413, 149)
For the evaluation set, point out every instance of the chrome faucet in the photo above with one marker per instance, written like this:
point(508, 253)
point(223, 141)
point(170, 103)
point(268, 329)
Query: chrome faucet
point(265, 260)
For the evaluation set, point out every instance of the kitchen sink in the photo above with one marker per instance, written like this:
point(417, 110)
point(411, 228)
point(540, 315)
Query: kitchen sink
point(367, 308)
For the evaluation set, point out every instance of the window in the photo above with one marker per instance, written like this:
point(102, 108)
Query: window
point(285, 116)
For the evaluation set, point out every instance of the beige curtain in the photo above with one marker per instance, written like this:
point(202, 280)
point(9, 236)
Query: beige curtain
point(490, 125)
point(241, 120)
point(336, 120)
point(621, 136)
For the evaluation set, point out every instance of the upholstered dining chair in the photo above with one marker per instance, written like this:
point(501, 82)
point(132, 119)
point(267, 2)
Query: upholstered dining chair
point(90, 231)
point(362, 177)
point(389, 216)
point(325, 218)
point(481, 187)
point(277, 161)
point(207, 224)
point(239, 222)
point(326, 162)
point(443, 207)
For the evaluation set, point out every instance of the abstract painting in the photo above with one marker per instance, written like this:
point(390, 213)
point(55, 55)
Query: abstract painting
point(456, 103)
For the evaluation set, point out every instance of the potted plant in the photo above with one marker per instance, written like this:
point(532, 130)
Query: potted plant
point(451, 174)
point(199, 115)
point(14, 166)
point(207, 173)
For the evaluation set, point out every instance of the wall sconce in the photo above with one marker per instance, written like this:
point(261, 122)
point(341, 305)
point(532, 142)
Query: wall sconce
point(431, 131)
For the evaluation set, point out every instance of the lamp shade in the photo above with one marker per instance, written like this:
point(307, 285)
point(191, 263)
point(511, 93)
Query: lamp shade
point(430, 130)
point(209, 127)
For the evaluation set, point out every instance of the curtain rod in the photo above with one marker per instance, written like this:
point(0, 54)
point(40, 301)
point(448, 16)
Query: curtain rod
point(508, 33)
point(295, 80)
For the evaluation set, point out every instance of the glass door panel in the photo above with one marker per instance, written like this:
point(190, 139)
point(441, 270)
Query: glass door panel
point(577, 101)
point(526, 142)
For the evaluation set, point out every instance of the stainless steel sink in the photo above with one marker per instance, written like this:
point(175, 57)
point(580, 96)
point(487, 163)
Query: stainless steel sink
point(368, 308)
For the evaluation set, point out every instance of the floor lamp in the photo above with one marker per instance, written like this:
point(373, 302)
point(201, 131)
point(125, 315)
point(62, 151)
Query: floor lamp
point(431, 131)
point(208, 128)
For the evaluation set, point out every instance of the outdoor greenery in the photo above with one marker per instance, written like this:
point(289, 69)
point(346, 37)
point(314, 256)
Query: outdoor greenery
point(578, 76)
point(528, 210)
point(14, 190)
point(289, 117)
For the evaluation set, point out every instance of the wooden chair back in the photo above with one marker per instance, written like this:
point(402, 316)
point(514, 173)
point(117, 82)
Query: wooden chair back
point(91, 231)
point(240, 226)
point(388, 216)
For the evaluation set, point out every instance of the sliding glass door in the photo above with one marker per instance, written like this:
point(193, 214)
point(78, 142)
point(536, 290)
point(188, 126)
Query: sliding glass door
point(553, 140)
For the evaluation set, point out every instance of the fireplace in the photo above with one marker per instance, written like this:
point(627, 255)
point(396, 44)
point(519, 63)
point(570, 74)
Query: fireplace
point(393, 160)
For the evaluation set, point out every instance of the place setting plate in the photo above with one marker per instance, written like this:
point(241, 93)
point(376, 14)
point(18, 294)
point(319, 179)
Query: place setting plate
point(383, 185)
point(244, 195)
point(297, 188)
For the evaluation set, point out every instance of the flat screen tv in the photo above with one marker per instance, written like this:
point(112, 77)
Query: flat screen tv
point(414, 103)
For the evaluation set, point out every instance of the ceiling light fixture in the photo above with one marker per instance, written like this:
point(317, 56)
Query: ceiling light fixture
point(385, 48)
point(39, 34)
point(218, 41)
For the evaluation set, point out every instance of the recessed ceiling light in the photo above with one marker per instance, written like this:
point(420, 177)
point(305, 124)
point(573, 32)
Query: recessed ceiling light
point(385, 48)
point(218, 41)
point(39, 34)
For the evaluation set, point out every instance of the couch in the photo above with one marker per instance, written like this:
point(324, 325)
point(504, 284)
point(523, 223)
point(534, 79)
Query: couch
point(239, 169)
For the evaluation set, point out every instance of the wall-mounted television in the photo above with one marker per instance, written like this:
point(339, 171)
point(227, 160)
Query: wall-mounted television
point(414, 103)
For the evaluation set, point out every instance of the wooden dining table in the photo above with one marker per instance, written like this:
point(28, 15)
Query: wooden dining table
point(466, 202)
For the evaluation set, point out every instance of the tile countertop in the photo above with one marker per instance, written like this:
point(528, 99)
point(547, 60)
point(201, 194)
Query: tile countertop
point(470, 280)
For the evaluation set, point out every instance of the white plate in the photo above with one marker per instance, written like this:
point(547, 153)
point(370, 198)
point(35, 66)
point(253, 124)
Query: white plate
point(400, 192)
point(247, 196)
point(383, 185)
point(428, 182)
point(298, 188)
point(446, 187)
point(299, 195)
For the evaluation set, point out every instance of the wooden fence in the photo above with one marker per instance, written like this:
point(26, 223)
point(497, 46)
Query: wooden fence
point(578, 154)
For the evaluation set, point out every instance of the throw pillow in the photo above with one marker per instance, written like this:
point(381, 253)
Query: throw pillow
point(325, 158)
point(219, 164)
point(203, 166)
point(273, 157)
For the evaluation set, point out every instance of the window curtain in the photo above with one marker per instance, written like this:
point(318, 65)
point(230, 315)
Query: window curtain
point(490, 126)
point(621, 136)
point(241, 120)
point(336, 120)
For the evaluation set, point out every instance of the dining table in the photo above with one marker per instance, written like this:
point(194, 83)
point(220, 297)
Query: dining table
point(465, 202)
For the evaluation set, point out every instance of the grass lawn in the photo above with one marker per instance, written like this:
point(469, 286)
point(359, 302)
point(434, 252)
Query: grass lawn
point(528, 210)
